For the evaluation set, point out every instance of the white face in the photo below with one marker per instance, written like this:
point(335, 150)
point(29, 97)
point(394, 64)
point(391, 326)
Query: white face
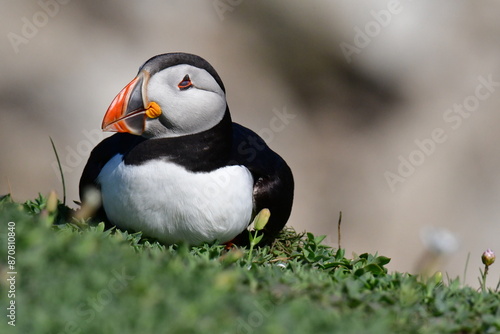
point(184, 110)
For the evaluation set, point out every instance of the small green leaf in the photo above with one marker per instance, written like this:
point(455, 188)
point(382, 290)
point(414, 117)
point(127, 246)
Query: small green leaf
point(382, 260)
point(319, 239)
point(257, 239)
point(374, 269)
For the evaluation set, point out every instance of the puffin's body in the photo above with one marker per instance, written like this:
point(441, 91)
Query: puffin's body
point(180, 170)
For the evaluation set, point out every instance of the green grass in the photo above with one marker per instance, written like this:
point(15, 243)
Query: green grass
point(74, 277)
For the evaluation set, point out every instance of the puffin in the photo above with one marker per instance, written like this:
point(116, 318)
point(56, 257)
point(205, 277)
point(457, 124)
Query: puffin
point(178, 169)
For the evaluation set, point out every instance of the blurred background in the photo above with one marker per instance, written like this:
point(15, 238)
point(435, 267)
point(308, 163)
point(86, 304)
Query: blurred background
point(387, 110)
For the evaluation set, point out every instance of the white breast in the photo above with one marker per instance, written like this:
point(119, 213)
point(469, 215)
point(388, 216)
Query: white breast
point(172, 204)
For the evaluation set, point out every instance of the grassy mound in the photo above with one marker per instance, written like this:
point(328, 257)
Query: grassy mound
point(75, 277)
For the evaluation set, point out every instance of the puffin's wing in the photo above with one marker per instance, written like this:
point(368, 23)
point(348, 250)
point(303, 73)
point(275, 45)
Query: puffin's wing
point(119, 143)
point(273, 179)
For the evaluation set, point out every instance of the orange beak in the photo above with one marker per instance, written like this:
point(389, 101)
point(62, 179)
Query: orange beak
point(127, 112)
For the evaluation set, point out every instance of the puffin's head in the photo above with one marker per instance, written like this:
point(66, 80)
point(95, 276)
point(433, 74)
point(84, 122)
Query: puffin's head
point(173, 94)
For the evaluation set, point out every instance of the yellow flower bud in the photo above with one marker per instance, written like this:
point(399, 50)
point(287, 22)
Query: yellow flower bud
point(261, 219)
point(488, 257)
point(52, 202)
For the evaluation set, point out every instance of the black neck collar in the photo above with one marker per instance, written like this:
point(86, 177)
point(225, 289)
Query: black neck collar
point(199, 152)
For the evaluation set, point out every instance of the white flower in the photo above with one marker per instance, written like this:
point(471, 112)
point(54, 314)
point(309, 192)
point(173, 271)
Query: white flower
point(439, 240)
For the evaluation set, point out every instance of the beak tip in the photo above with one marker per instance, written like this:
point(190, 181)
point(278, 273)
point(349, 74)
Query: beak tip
point(105, 126)
point(123, 115)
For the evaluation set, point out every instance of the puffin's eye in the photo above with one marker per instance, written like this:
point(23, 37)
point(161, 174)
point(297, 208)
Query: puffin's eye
point(185, 83)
